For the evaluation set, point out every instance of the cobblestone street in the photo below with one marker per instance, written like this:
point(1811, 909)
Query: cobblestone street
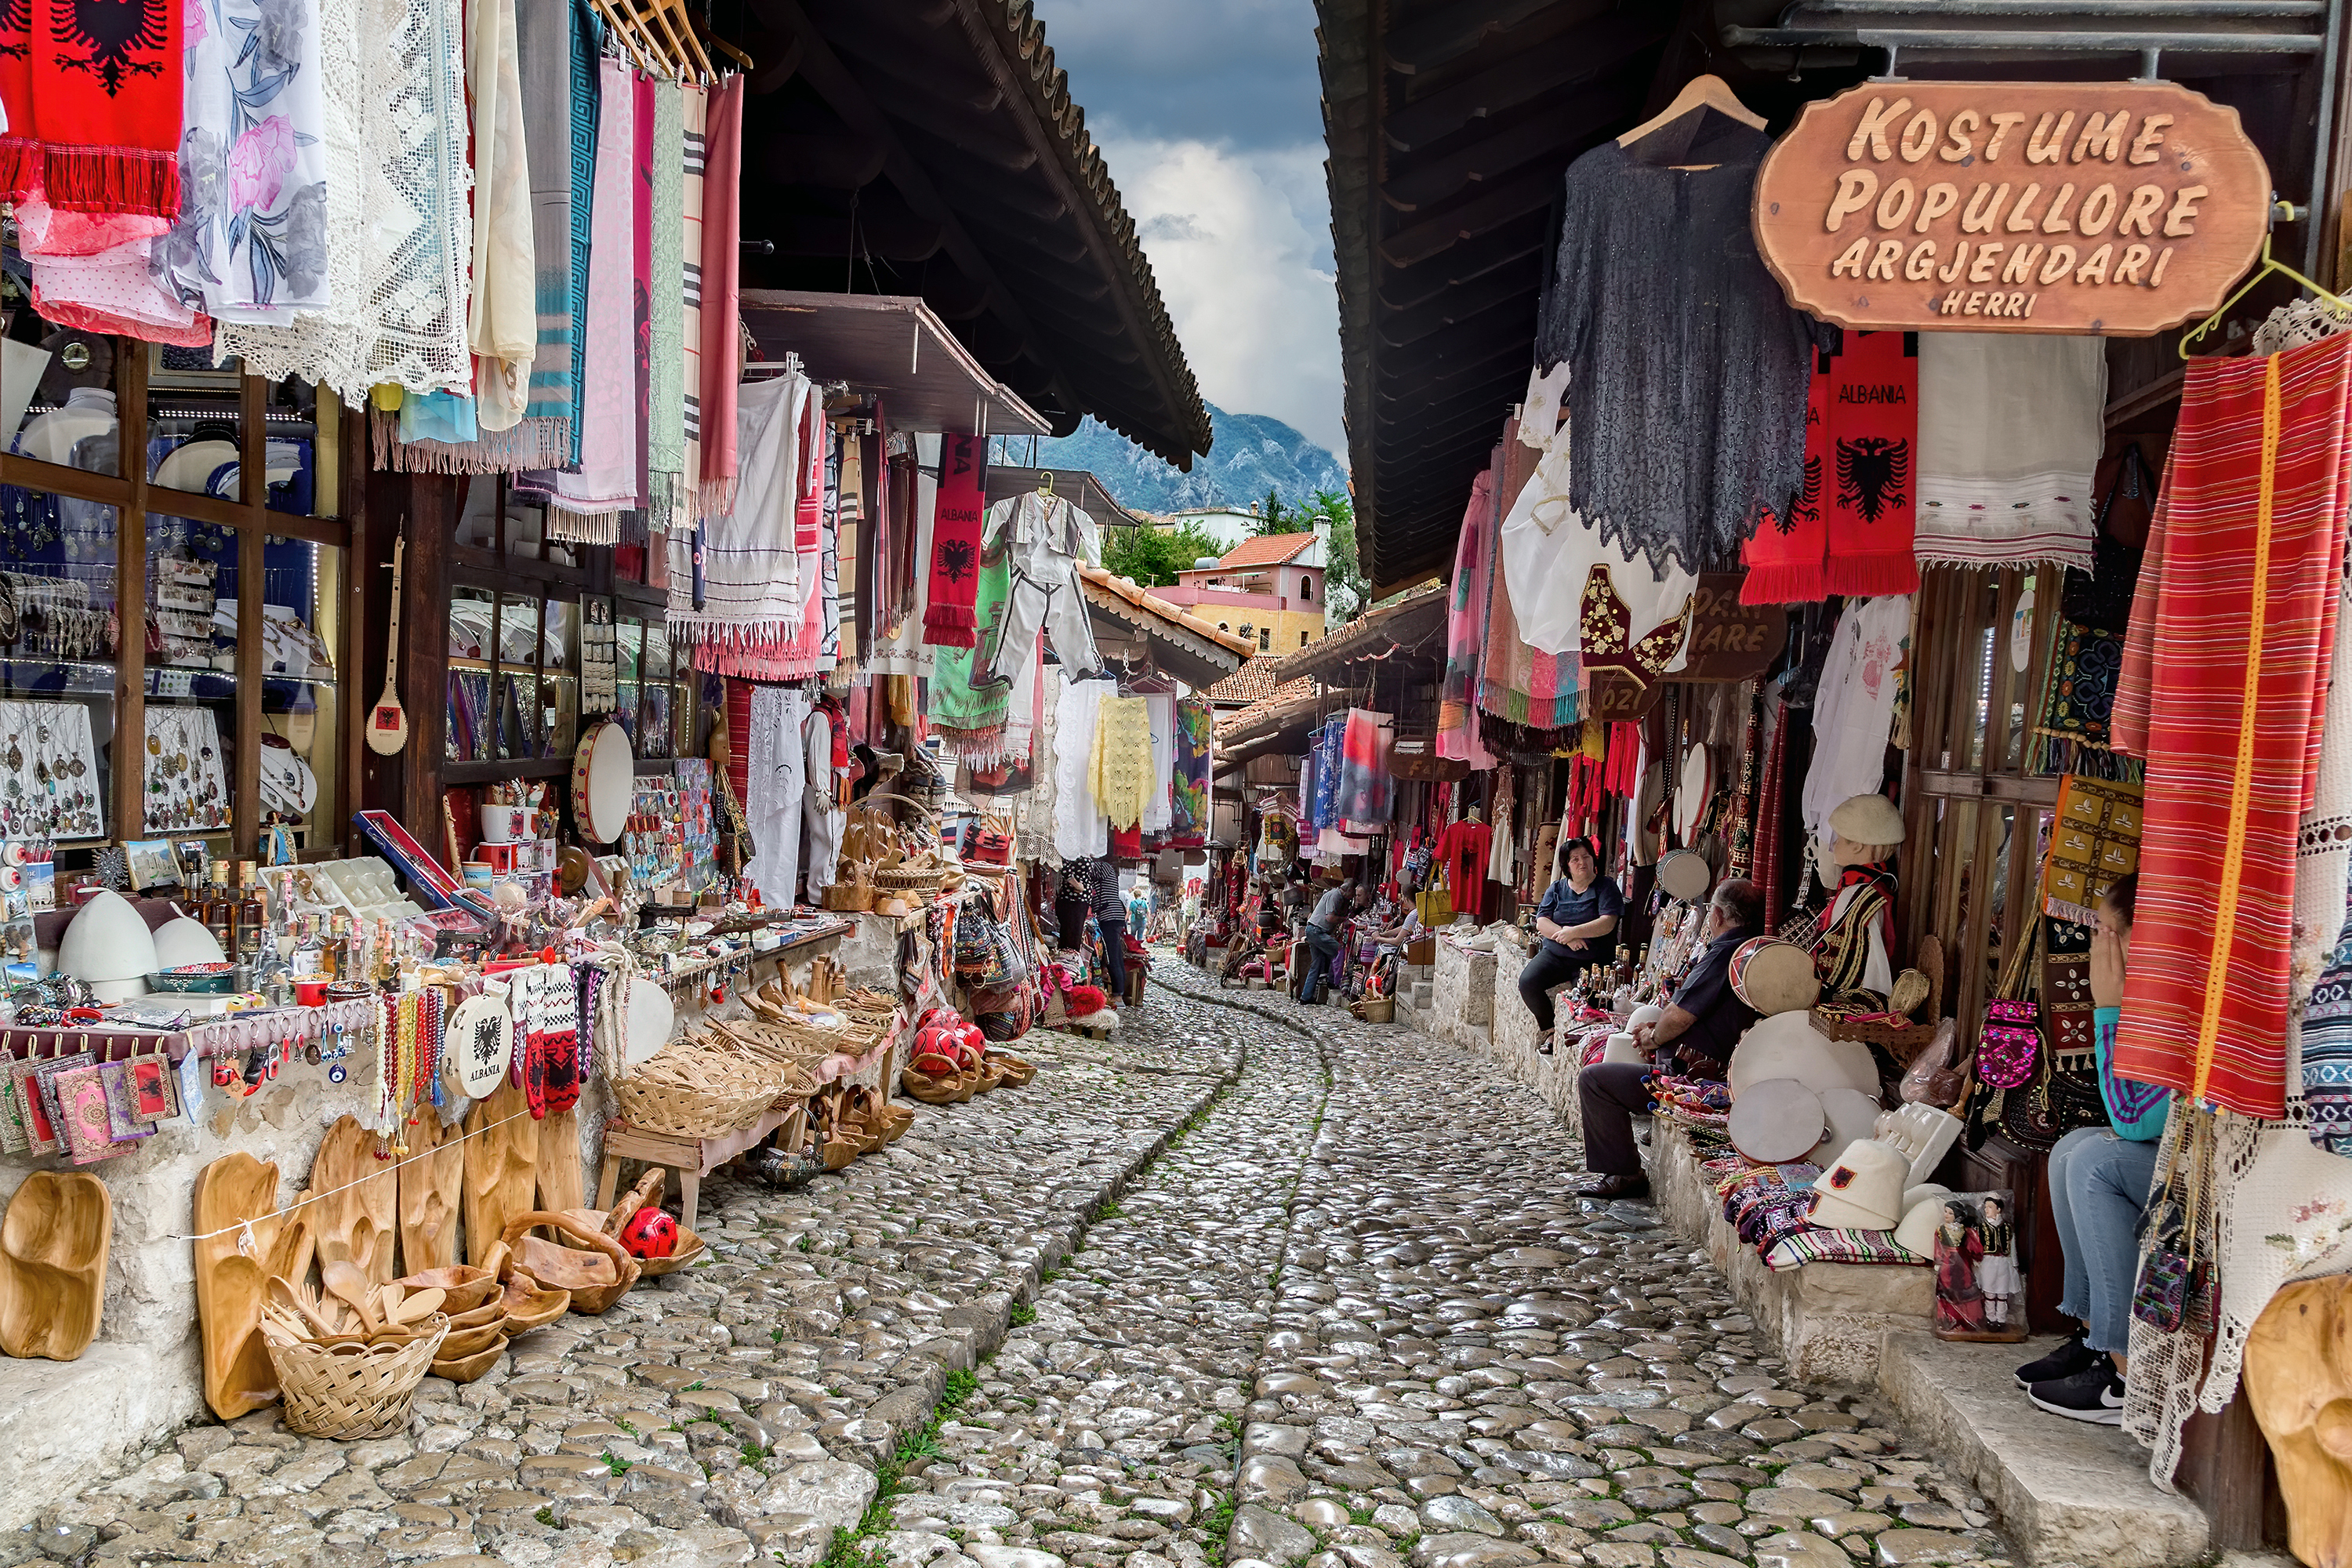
point(1248, 1282)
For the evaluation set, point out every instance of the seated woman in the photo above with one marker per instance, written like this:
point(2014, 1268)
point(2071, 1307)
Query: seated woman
point(1578, 910)
point(2099, 1181)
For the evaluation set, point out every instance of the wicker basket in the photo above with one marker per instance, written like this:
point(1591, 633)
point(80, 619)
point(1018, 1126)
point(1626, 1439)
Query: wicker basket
point(351, 1392)
point(689, 1090)
point(921, 881)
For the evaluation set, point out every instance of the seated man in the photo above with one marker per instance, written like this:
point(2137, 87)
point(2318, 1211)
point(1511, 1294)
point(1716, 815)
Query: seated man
point(1703, 1023)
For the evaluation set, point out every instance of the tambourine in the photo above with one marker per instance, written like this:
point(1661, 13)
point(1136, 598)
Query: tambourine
point(603, 772)
point(1774, 976)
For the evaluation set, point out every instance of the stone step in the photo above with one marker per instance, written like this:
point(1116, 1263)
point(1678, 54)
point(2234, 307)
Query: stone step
point(2063, 1490)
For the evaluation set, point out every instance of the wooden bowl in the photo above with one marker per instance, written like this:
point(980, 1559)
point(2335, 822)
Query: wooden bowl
point(463, 1342)
point(472, 1366)
point(529, 1307)
point(690, 1249)
point(463, 1287)
point(490, 1311)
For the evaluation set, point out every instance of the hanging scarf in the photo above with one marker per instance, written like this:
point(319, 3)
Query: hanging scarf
point(716, 295)
point(91, 124)
point(949, 619)
point(837, 718)
point(971, 718)
point(1188, 792)
point(1365, 787)
point(2251, 551)
point(1850, 530)
point(1465, 627)
point(1768, 811)
point(751, 591)
point(1787, 558)
point(587, 507)
point(644, 154)
point(502, 327)
point(696, 102)
point(547, 39)
point(665, 282)
point(587, 126)
point(1517, 682)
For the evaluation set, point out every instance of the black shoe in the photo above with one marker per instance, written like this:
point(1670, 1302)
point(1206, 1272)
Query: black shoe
point(2074, 1357)
point(2095, 1395)
point(1616, 1187)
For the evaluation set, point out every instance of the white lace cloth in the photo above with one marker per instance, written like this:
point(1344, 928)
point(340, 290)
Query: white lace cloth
point(1078, 825)
point(1038, 835)
point(773, 788)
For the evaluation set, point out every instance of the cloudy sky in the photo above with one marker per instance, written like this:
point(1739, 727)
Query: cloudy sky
point(1208, 112)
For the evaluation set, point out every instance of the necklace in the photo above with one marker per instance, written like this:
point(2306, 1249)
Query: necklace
point(404, 1090)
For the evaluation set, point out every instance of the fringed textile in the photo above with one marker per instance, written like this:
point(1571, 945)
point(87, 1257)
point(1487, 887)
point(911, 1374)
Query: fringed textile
point(723, 227)
point(92, 123)
point(2243, 625)
point(1465, 627)
point(587, 505)
point(544, 38)
point(948, 617)
point(1515, 681)
point(696, 104)
point(748, 590)
point(666, 281)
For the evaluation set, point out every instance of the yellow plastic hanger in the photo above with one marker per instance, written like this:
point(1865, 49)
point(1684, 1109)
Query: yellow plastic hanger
point(2269, 265)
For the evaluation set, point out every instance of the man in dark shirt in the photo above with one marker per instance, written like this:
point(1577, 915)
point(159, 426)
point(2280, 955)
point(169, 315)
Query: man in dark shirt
point(1331, 912)
point(1110, 924)
point(1702, 1026)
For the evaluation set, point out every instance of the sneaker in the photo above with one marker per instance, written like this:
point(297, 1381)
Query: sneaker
point(2070, 1358)
point(2094, 1394)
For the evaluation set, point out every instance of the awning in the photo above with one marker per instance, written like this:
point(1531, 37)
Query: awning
point(1127, 617)
point(1285, 727)
point(1416, 621)
point(890, 347)
point(1006, 480)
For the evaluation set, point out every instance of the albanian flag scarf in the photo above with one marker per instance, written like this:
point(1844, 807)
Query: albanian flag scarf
point(1851, 529)
point(90, 91)
point(949, 619)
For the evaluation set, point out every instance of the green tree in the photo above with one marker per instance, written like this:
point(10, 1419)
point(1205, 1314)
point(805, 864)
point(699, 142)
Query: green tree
point(1153, 558)
point(1345, 592)
point(1273, 517)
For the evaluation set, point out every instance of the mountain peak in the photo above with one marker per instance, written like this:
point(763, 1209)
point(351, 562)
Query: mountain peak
point(1249, 454)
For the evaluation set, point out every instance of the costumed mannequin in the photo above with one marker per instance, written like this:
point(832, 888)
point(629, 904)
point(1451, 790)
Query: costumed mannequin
point(1853, 950)
point(827, 737)
point(1048, 538)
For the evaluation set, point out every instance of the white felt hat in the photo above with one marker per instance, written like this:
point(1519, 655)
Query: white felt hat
point(1868, 819)
point(1921, 1215)
point(1787, 1045)
point(1864, 1191)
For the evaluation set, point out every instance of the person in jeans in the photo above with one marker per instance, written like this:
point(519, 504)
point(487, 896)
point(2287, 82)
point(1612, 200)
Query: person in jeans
point(1702, 1024)
point(1578, 910)
point(2099, 1181)
point(1331, 912)
point(1110, 924)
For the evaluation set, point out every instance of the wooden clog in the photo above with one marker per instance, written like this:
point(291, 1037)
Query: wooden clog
point(432, 1189)
point(231, 1283)
point(53, 1247)
point(501, 1167)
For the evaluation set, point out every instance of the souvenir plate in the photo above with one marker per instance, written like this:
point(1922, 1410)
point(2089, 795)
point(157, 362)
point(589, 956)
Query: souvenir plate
point(1692, 791)
point(479, 1044)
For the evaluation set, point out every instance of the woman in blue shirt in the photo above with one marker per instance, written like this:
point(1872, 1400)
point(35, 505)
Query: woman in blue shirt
point(2099, 1181)
point(1578, 912)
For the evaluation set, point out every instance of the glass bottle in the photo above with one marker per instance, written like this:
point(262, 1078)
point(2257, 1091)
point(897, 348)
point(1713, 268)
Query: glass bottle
point(216, 913)
point(251, 918)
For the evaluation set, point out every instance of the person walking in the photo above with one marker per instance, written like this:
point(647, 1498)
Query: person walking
point(1331, 912)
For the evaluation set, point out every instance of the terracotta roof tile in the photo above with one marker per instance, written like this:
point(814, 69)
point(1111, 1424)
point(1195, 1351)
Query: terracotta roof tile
point(1265, 550)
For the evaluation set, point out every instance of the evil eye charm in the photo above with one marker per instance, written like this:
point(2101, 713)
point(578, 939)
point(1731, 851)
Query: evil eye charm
point(335, 1073)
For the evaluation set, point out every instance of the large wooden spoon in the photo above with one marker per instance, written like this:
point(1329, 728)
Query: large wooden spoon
point(417, 1305)
point(349, 1282)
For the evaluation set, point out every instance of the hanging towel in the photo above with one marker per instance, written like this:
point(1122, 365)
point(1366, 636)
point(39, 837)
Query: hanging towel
point(1078, 826)
point(1157, 814)
point(948, 619)
point(2245, 610)
point(92, 123)
point(502, 325)
point(903, 651)
point(546, 43)
point(1515, 681)
point(2010, 428)
point(666, 393)
point(643, 154)
point(587, 505)
point(696, 104)
point(752, 592)
point(722, 229)
point(972, 721)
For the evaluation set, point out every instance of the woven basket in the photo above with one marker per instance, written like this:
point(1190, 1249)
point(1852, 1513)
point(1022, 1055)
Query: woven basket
point(688, 1089)
point(924, 881)
point(354, 1391)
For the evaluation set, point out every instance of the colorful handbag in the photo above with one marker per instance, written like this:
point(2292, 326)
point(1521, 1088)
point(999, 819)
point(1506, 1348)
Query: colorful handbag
point(2174, 1290)
point(2012, 1037)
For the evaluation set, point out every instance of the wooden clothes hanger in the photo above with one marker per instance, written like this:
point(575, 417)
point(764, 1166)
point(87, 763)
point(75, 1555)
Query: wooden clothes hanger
point(2271, 266)
point(1706, 90)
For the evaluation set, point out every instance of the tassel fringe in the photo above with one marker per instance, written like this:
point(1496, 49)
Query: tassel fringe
point(1871, 576)
point(107, 179)
point(569, 526)
point(532, 444)
point(1790, 584)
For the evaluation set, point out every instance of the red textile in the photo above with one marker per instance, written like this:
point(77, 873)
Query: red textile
point(92, 105)
point(949, 620)
point(723, 248)
point(1624, 774)
point(1461, 853)
point(2253, 542)
point(1850, 531)
point(739, 737)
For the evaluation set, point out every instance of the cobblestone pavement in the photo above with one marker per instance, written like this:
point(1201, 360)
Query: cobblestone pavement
point(1331, 1305)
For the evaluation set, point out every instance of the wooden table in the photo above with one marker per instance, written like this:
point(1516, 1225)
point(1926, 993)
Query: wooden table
point(692, 1158)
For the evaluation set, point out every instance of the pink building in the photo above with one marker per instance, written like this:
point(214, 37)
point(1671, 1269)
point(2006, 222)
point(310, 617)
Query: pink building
point(1268, 588)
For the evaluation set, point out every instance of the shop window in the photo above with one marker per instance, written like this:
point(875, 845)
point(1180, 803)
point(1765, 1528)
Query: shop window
point(194, 587)
point(630, 655)
point(473, 639)
point(57, 668)
point(58, 402)
point(301, 695)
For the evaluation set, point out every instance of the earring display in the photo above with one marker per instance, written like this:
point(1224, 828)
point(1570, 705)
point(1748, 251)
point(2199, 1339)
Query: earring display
point(48, 773)
point(187, 778)
point(600, 665)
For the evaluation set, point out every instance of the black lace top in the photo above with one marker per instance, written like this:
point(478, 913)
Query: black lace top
point(1686, 385)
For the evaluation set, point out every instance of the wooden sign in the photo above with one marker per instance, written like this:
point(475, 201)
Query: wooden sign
point(1729, 640)
point(1613, 698)
point(2116, 209)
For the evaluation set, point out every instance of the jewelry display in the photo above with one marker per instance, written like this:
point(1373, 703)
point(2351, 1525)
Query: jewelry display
point(48, 773)
point(186, 775)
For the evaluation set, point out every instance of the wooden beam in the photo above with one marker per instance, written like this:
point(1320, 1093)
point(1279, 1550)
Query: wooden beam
point(1590, 48)
point(1420, 180)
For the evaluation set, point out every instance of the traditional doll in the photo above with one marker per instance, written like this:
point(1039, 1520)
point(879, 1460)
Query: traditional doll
point(1853, 950)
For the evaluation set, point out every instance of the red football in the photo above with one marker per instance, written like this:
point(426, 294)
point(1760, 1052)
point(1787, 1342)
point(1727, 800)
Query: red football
point(649, 1234)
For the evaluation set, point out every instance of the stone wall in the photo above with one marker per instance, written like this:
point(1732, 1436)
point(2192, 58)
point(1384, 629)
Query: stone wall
point(1463, 1004)
point(1516, 1043)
